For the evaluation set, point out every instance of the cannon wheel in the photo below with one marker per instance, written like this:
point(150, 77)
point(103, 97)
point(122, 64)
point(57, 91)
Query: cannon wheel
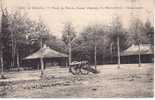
point(84, 69)
point(75, 69)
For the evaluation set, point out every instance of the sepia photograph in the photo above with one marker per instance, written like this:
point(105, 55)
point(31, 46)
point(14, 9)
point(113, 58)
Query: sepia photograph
point(76, 48)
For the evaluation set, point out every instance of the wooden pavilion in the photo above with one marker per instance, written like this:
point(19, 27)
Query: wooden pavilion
point(130, 55)
point(45, 57)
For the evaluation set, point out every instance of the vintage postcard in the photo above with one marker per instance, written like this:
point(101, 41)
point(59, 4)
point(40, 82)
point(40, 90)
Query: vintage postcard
point(76, 49)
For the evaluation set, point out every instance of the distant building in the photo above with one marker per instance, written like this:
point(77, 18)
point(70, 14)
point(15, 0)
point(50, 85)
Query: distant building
point(130, 55)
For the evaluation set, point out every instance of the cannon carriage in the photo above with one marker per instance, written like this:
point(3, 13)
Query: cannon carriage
point(81, 67)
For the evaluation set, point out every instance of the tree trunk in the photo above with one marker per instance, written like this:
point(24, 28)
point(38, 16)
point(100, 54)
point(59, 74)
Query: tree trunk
point(2, 64)
point(13, 49)
point(18, 62)
point(70, 51)
point(139, 55)
point(118, 52)
point(103, 58)
point(12, 45)
point(1, 49)
point(111, 53)
point(41, 60)
point(42, 66)
point(95, 55)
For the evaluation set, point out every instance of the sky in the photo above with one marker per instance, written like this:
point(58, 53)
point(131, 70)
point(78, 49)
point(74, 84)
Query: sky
point(55, 13)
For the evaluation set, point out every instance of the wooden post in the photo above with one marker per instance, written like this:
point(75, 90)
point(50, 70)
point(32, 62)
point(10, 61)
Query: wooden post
point(118, 52)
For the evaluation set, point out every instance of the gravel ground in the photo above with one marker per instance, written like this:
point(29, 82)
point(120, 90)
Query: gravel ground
point(128, 81)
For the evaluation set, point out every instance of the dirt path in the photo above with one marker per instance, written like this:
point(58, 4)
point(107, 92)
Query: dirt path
point(128, 81)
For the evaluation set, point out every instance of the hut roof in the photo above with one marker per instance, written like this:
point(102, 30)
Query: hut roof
point(46, 52)
point(133, 50)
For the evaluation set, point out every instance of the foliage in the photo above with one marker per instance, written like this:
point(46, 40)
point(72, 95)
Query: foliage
point(137, 33)
point(117, 30)
point(68, 33)
point(23, 35)
point(83, 46)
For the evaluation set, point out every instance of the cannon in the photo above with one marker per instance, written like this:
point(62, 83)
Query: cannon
point(81, 67)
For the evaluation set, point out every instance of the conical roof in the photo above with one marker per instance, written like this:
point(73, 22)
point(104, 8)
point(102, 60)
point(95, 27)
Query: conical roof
point(46, 52)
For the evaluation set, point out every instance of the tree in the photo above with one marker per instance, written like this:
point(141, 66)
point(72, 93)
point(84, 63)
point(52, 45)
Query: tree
point(96, 32)
point(26, 32)
point(90, 43)
point(137, 35)
point(41, 35)
point(56, 44)
point(19, 26)
point(118, 32)
point(3, 37)
point(68, 35)
point(149, 31)
point(19, 37)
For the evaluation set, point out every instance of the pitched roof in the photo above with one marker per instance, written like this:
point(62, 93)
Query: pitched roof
point(133, 50)
point(46, 52)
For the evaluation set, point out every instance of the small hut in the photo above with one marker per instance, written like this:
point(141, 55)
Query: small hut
point(49, 56)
